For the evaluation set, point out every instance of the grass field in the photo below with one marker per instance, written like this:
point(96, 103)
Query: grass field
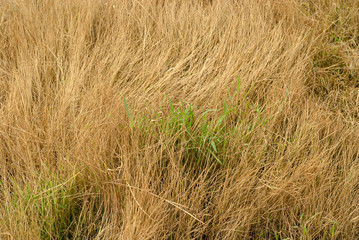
point(193, 119)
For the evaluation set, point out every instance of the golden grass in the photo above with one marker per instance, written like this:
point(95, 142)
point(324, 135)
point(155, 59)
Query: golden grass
point(127, 119)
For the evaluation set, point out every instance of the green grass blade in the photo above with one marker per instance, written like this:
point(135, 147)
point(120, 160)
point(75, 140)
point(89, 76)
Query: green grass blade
point(214, 155)
point(214, 146)
point(248, 91)
point(238, 83)
point(127, 111)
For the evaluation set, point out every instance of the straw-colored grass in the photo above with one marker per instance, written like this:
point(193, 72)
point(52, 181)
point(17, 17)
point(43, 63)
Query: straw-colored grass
point(189, 119)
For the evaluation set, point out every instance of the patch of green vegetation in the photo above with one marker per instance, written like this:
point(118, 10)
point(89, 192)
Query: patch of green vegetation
point(202, 134)
point(59, 208)
point(199, 134)
point(56, 205)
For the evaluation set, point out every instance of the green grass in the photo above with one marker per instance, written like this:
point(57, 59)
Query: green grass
point(203, 134)
point(56, 205)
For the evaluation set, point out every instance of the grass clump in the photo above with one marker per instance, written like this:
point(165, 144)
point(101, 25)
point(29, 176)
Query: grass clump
point(128, 121)
point(53, 209)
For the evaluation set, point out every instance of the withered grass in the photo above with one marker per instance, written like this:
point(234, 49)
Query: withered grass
point(189, 119)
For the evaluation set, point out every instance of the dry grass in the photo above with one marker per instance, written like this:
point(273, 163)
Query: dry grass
point(127, 119)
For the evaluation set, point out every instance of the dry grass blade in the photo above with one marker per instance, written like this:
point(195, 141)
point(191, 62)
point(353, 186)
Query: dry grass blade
point(197, 119)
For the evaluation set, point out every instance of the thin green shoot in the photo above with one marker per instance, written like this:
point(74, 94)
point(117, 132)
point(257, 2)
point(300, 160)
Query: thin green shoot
point(336, 38)
point(238, 84)
point(128, 112)
point(245, 96)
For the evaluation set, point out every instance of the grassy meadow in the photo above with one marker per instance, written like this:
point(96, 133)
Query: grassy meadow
point(193, 119)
